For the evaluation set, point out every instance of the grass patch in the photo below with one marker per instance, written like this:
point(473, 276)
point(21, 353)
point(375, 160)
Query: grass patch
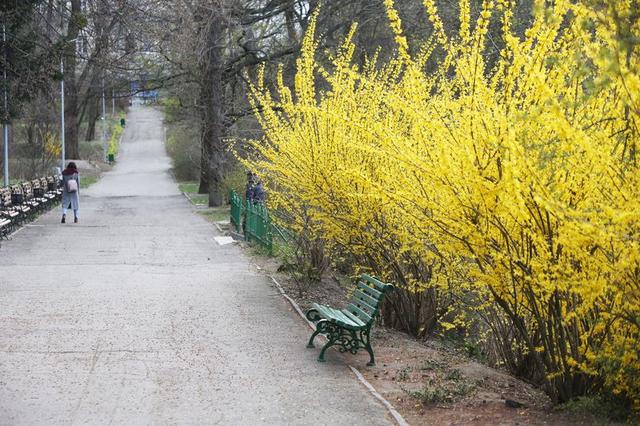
point(199, 199)
point(87, 181)
point(215, 214)
point(191, 189)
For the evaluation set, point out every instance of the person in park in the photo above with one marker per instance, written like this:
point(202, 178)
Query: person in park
point(248, 189)
point(70, 191)
point(254, 191)
point(258, 195)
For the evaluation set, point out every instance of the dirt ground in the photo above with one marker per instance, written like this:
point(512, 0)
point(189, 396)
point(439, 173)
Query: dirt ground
point(432, 382)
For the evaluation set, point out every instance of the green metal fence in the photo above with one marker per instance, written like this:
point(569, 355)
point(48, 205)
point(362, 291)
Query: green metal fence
point(258, 226)
point(257, 223)
point(236, 210)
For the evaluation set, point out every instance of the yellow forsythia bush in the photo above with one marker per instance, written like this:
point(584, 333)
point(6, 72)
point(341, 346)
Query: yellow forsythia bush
point(516, 181)
point(114, 140)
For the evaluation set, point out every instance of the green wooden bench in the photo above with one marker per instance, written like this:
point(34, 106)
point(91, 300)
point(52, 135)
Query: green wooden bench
point(350, 328)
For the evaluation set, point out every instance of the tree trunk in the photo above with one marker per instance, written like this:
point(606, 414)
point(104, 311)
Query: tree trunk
point(72, 126)
point(93, 115)
point(215, 123)
point(203, 188)
point(212, 96)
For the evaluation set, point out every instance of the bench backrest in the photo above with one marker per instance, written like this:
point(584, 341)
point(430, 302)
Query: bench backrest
point(5, 197)
point(27, 190)
point(367, 297)
point(37, 188)
point(52, 184)
point(17, 196)
point(16, 189)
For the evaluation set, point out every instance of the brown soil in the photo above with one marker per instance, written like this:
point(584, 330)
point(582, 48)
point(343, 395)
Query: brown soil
point(431, 382)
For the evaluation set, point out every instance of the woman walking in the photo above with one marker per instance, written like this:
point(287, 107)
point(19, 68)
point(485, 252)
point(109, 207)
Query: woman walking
point(70, 191)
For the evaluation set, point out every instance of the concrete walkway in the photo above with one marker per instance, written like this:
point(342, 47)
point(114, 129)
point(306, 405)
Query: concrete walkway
point(136, 315)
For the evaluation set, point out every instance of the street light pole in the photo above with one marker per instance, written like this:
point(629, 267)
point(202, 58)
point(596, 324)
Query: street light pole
point(5, 124)
point(62, 110)
point(62, 140)
point(104, 124)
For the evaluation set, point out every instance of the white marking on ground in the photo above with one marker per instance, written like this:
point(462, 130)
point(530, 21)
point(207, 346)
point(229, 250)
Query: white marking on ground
point(223, 241)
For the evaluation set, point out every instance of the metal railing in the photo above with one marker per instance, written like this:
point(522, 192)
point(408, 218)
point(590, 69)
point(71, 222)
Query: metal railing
point(236, 210)
point(258, 225)
point(252, 219)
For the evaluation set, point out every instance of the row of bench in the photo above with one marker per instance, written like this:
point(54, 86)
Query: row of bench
point(23, 202)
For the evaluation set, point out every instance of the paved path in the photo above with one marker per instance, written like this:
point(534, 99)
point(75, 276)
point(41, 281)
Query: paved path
point(136, 316)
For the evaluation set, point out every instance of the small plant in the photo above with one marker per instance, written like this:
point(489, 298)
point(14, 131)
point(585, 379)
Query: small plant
point(454, 375)
point(432, 364)
point(430, 395)
point(444, 390)
point(403, 374)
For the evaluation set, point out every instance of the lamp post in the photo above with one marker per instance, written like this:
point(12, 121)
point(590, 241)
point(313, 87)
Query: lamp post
point(104, 124)
point(62, 141)
point(62, 110)
point(5, 123)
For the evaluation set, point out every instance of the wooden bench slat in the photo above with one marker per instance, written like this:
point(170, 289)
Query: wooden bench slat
point(344, 320)
point(353, 318)
point(372, 301)
point(370, 291)
point(379, 285)
point(336, 316)
point(364, 317)
point(368, 309)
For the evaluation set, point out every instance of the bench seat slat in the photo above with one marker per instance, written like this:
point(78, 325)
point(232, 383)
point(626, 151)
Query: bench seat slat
point(344, 320)
point(337, 317)
point(354, 318)
point(364, 317)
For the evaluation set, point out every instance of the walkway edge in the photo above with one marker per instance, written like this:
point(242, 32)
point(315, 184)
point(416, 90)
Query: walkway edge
point(394, 413)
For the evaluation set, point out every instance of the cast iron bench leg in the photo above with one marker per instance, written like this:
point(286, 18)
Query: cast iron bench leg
point(313, 316)
point(324, 348)
point(313, 336)
point(367, 346)
point(333, 333)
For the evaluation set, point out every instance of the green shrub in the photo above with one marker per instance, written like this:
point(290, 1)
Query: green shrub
point(183, 146)
point(235, 180)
